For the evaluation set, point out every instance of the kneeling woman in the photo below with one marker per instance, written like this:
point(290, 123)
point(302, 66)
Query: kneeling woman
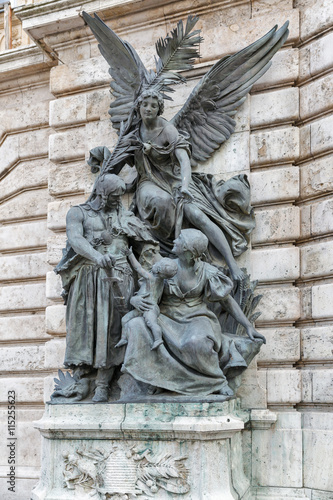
point(195, 352)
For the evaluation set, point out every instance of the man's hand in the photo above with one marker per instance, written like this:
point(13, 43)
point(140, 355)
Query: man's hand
point(141, 303)
point(105, 260)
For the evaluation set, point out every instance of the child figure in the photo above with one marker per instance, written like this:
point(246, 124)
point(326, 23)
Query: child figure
point(151, 284)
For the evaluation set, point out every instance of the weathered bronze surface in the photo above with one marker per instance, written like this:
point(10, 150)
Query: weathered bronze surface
point(190, 331)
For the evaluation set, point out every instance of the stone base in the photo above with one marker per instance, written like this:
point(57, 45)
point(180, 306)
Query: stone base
point(189, 451)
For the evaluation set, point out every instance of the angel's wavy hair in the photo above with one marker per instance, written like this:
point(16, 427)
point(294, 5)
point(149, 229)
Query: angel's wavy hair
point(151, 93)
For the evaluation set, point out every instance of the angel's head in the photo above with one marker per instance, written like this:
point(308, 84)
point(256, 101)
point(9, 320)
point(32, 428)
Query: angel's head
point(152, 99)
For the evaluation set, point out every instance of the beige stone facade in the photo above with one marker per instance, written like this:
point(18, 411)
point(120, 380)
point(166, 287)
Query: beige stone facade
point(54, 100)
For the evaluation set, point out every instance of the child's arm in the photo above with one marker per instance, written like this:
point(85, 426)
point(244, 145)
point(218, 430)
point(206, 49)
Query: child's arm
point(135, 264)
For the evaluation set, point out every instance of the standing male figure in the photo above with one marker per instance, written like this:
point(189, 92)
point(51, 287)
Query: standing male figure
point(98, 281)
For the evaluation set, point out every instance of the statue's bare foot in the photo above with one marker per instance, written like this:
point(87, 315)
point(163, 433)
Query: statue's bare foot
point(226, 390)
point(101, 395)
point(156, 344)
point(122, 342)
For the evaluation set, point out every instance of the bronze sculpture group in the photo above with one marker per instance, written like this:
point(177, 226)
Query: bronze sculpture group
point(172, 336)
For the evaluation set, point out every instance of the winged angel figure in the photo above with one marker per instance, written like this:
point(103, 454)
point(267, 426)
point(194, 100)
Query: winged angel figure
point(168, 195)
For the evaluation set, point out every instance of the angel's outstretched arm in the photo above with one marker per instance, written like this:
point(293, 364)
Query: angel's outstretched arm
point(185, 169)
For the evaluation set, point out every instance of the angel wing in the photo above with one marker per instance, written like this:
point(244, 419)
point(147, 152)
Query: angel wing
point(126, 69)
point(176, 52)
point(207, 114)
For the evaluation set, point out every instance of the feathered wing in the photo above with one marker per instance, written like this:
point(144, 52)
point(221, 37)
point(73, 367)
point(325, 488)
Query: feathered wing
point(176, 52)
point(126, 69)
point(207, 114)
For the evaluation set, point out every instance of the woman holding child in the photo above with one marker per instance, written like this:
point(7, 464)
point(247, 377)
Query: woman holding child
point(196, 354)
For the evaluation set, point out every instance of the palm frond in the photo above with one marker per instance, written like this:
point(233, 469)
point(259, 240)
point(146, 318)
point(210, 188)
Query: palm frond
point(177, 52)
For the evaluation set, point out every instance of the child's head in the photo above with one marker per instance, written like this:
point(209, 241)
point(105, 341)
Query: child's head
point(165, 268)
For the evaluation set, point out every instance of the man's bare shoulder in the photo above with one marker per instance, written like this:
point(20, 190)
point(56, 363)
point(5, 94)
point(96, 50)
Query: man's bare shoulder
point(74, 214)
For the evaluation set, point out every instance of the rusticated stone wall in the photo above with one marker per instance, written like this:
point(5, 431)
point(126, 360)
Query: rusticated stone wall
point(54, 110)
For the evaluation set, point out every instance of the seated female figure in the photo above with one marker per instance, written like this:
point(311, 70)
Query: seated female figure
point(196, 354)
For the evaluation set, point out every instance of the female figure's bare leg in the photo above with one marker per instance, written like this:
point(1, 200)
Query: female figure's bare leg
point(215, 236)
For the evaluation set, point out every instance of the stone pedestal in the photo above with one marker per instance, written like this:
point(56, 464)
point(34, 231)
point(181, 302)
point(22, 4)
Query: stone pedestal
point(189, 451)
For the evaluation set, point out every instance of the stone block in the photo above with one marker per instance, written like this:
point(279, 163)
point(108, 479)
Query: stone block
point(23, 266)
point(283, 387)
point(53, 286)
point(280, 106)
point(231, 159)
point(80, 75)
point(55, 244)
point(306, 302)
point(321, 135)
point(276, 146)
point(22, 297)
point(306, 385)
point(34, 144)
point(99, 133)
point(57, 211)
point(278, 264)
point(316, 97)
point(318, 443)
point(55, 354)
point(23, 484)
point(283, 345)
point(279, 305)
point(28, 440)
point(315, 18)
point(317, 260)
point(70, 178)
point(25, 206)
point(279, 224)
point(22, 146)
point(98, 103)
point(236, 33)
point(35, 115)
point(322, 301)
point(80, 108)
point(27, 389)
point(321, 57)
point(14, 328)
point(23, 236)
point(306, 214)
point(17, 179)
point(322, 386)
point(252, 392)
point(49, 385)
point(316, 57)
point(316, 177)
point(284, 70)
point(20, 358)
point(261, 7)
point(277, 453)
point(317, 343)
point(305, 141)
point(69, 145)
point(274, 185)
point(322, 217)
point(55, 317)
point(68, 111)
